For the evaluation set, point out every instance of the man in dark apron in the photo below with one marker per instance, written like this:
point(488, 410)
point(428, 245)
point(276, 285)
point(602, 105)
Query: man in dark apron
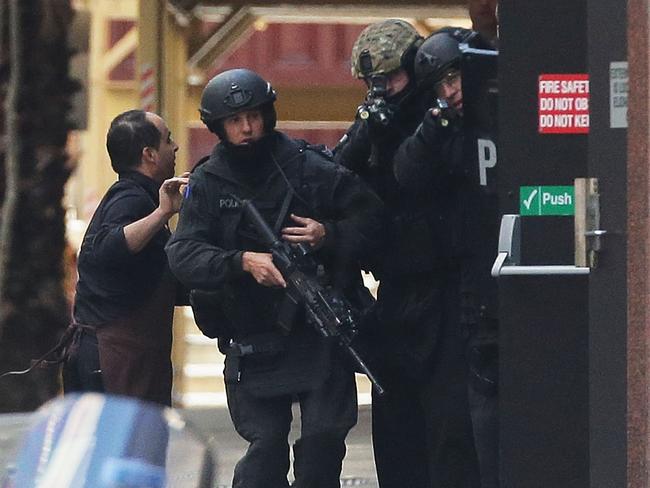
point(125, 295)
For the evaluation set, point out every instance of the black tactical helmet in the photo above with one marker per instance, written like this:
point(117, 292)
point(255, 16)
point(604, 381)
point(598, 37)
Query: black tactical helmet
point(234, 91)
point(439, 52)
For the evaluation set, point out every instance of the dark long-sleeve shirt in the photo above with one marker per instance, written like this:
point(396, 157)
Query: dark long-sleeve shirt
point(112, 280)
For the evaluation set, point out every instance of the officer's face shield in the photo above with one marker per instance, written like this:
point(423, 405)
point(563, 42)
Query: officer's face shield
point(448, 87)
point(101, 441)
point(449, 79)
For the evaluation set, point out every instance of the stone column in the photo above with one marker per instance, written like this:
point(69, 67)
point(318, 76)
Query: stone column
point(638, 228)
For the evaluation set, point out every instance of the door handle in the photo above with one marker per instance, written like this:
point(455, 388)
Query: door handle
point(509, 254)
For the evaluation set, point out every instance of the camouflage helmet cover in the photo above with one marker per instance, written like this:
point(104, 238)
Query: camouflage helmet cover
point(386, 43)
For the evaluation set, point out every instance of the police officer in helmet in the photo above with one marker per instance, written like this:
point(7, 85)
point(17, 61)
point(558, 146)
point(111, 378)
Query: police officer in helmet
point(422, 435)
point(382, 57)
point(445, 144)
point(309, 200)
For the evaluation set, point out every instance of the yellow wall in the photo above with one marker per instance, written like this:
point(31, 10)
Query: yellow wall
point(165, 49)
point(105, 100)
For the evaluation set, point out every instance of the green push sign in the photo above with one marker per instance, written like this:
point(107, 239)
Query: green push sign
point(546, 200)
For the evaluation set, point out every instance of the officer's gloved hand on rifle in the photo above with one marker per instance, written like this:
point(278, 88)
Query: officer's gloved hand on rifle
point(438, 129)
point(442, 114)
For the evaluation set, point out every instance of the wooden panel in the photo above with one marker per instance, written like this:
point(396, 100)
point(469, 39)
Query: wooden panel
point(125, 70)
point(319, 103)
point(292, 45)
point(117, 29)
point(200, 142)
point(298, 54)
point(327, 103)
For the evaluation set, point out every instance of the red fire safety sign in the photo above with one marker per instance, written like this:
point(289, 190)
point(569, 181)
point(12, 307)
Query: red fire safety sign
point(564, 104)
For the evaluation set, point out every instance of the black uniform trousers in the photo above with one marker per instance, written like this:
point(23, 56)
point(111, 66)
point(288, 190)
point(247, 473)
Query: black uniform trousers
point(485, 420)
point(422, 430)
point(484, 402)
point(327, 415)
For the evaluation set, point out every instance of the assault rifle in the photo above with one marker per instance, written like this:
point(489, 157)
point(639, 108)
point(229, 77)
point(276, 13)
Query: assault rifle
point(375, 106)
point(327, 310)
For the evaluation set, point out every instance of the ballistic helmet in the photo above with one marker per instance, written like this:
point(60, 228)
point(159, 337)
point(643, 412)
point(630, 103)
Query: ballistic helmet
point(234, 91)
point(440, 52)
point(384, 47)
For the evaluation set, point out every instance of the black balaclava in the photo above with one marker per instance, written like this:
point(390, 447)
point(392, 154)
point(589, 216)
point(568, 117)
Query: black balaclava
point(252, 163)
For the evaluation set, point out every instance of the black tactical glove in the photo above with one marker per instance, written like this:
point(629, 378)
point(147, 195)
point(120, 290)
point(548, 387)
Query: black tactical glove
point(443, 114)
point(439, 123)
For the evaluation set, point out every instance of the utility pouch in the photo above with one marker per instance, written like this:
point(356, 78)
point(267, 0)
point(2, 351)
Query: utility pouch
point(288, 312)
point(272, 365)
point(209, 308)
point(232, 369)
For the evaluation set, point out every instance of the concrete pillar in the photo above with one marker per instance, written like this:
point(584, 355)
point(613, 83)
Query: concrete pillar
point(638, 261)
